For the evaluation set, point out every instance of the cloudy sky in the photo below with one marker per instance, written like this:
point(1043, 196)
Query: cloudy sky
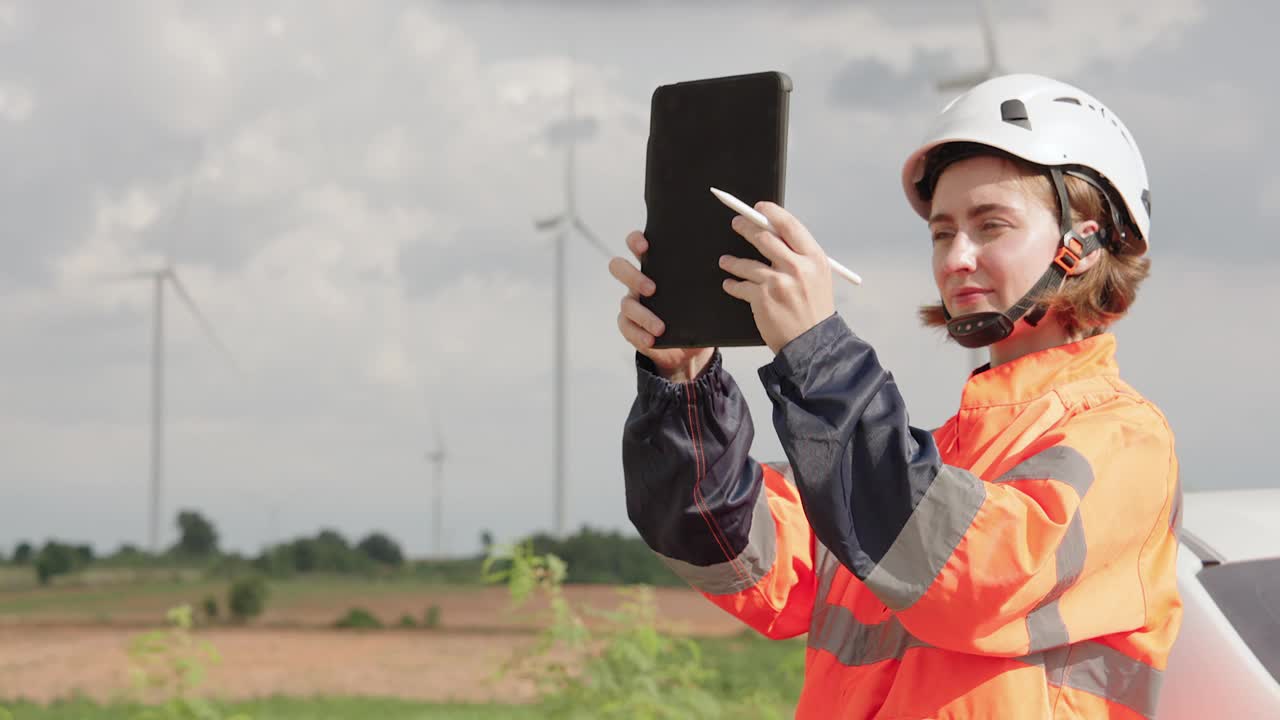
point(361, 182)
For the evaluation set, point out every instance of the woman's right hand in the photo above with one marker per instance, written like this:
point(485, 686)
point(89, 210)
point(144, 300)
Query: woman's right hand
point(640, 326)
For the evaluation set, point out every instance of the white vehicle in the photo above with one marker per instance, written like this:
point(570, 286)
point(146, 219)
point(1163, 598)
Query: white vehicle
point(1226, 661)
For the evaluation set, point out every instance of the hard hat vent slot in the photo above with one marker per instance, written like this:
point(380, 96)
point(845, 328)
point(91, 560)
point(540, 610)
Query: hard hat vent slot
point(1014, 112)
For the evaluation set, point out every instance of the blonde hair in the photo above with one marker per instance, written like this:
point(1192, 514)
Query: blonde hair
point(1088, 303)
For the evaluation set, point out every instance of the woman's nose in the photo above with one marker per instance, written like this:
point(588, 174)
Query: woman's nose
point(961, 255)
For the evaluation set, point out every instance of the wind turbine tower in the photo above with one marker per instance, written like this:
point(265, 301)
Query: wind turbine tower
point(437, 457)
point(962, 82)
point(566, 222)
point(166, 273)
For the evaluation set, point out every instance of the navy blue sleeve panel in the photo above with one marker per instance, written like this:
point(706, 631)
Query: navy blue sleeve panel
point(691, 487)
point(860, 467)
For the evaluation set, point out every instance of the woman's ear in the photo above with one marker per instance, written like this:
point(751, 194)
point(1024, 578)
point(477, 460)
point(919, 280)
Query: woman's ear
point(1084, 229)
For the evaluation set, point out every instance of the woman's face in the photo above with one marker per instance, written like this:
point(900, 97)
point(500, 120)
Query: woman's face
point(992, 238)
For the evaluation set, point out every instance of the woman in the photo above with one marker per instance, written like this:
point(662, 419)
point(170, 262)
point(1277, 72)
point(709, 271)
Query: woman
point(1018, 562)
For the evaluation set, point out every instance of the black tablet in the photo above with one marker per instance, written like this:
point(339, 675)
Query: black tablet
point(729, 133)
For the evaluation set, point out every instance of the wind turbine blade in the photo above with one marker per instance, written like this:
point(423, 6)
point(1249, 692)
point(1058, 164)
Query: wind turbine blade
point(961, 82)
point(590, 236)
point(204, 322)
point(989, 38)
point(548, 223)
point(124, 276)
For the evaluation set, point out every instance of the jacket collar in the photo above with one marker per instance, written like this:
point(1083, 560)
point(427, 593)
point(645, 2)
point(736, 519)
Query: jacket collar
point(1036, 374)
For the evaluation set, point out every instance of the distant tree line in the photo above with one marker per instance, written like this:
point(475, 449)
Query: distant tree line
point(606, 557)
point(593, 556)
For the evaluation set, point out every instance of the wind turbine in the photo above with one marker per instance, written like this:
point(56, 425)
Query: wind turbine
point(437, 457)
point(964, 81)
point(961, 83)
point(165, 273)
point(566, 222)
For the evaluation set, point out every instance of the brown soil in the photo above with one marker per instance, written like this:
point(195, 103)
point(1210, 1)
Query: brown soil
point(46, 657)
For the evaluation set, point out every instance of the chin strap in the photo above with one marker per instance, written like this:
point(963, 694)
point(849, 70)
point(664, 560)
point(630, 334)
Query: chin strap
point(977, 330)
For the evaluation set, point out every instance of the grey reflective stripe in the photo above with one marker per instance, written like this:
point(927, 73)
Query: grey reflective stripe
point(1045, 625)
point(1106, 672)
point(825, 566)
point(1089, 666)
point(1059, 463)
point(752, 564)
point(1046, 628)
point(928, 538)
point(1055, 665)
point(853, 643)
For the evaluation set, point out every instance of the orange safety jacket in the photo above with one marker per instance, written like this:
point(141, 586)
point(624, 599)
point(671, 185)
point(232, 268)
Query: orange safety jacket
point(1018, 562)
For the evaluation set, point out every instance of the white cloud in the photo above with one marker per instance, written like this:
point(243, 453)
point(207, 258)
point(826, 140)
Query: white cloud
point(392, 155)
point(195, 45)
point(1053, 38)
point(1269, 199)
point(275, 26)
point(16, 103)
point(1196, 121)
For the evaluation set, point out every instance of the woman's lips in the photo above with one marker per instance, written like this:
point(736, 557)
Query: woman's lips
point(968, 296)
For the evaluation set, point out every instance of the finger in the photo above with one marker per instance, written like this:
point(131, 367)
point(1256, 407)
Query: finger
point(634, 334)
point(742, 289)
point(771, 246)
point(637, 244)
point(793, 232)
point(642, 316)
point(745, 268)
point(629, 275)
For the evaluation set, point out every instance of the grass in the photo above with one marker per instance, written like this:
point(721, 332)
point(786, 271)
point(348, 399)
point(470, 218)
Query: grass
point(108, 599)
point(105, 599)
point(748, 661)
point(279, 708)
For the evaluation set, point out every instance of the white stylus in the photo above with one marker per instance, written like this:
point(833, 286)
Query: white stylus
point(754, 216)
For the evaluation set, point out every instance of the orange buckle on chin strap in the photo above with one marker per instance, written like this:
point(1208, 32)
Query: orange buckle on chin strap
point(1069, 254)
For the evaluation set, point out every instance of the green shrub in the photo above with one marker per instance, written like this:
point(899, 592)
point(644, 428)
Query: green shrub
point(359, 619)
point(407, 621)
point(432, 619)
point(247, 598)
point(56, 558)
point(210, 608)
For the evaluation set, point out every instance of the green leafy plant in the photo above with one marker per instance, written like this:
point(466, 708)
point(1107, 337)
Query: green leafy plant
point(431, 620)
point(168, 666)
point(625, 669)
point(359, 619)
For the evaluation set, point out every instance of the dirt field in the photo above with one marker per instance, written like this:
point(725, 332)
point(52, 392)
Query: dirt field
point(292, 650)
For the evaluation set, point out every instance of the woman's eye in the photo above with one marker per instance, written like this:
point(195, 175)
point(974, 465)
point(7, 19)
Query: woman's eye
point(942, 235)
point(992, 225)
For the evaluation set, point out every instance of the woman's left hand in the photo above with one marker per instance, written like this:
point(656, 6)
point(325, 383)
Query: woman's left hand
point(794, 294)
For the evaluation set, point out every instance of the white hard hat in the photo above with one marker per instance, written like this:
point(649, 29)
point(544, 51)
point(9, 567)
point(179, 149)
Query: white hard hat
point(1049, 123)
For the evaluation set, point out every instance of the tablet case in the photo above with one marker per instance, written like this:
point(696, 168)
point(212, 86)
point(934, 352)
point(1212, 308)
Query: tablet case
point(729, 133)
